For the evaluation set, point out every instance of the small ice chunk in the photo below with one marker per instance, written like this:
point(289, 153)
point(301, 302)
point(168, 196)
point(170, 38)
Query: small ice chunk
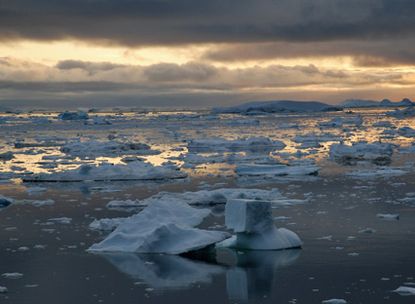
point(107, 224)
point(334, 301)
point(12, 275)
point(405, 291)
point(61, 220)
point(3, 289)
point(388, 216)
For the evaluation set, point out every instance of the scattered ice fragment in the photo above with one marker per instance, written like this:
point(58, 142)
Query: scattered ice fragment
point(3, 289)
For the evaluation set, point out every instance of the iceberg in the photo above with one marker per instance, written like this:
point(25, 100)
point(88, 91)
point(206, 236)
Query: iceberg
point(258, 107)
point(109, 172)
point(253, 224)
point(162, 227)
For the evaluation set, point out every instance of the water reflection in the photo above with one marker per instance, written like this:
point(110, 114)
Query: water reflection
point(249, 274)
point(164, 271)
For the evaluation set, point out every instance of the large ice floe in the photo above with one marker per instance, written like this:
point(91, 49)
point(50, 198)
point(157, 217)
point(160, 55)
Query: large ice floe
point(162, 227)
point(277, 106)
point(109, 172)
point(377, 153)
point(253, 144)
point(106, 148)
point(253, 224)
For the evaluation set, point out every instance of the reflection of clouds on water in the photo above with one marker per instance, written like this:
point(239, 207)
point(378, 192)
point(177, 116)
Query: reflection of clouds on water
point(253, 272)
point(164, 271)
point(249, 274)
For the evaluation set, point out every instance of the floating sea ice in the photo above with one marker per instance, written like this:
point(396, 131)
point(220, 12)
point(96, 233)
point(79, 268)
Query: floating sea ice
point(253, 224)
point(276, 170)
point(106, 148)
point(162, 227)
point(405, 291)
point(221, 196)
point(383, 172)
point(80, 115)
point(406, 132)
point(401, 114)
point(107, 224)
point(109, 172)
point(383, 124)
point(254, 144)
point(6, 156)
point(60, 220)
point(388, 216)
point(334, 301)
point(12, 275)
point(378, 153)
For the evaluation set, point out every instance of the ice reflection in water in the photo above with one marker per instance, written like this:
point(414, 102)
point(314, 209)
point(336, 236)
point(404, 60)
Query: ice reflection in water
point(249, 274)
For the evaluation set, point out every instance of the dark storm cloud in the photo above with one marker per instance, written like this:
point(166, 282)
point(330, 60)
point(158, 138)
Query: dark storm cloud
point(144, 22)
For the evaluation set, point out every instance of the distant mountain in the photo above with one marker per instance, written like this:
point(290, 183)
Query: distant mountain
point(276, 106)
point(364, 103)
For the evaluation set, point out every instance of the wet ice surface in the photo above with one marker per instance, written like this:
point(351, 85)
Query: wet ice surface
point(356, 220)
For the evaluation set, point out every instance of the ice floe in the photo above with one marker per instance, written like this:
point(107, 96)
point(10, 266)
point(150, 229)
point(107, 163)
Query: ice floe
point(276, 170)
point(109, 172)
point(80, 115)
point(106, 148)
point(378, 153)
point(254, 144)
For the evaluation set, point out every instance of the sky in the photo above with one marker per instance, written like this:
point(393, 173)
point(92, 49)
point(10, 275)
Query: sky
point(183, 53)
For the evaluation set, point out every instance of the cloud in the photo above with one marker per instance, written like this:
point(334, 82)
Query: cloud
point(99, 81)
point(162, 22)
